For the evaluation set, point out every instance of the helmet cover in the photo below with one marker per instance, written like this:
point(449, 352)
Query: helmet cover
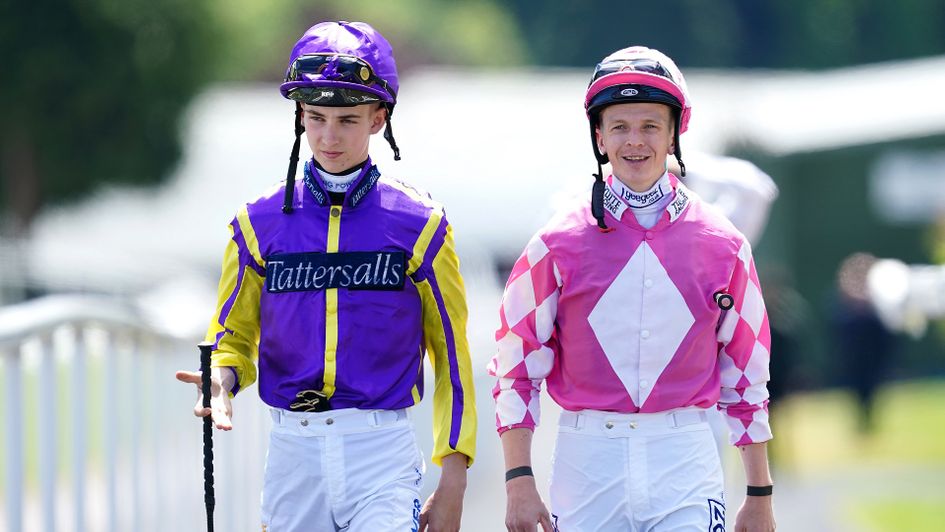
point(341, 64)
point(638, 74)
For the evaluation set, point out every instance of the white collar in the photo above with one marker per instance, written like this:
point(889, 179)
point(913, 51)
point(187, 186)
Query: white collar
point(338, 183)
point(614, 203)
point(639, 200)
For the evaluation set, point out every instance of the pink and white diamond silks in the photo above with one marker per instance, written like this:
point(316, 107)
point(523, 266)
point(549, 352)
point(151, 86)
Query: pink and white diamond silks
point(746, 340)
point(626, 321)
point(529, 304)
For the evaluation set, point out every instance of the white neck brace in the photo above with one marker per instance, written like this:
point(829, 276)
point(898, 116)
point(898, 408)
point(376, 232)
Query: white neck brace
point(338, 183)
point(638, 200)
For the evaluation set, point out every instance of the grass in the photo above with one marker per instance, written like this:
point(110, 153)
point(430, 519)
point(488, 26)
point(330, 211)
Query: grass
point(889, 480)
point(895, 514)
point(817, 431)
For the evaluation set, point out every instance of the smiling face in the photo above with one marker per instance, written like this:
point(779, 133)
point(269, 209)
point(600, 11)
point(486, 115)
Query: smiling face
point(339, 136)
point(637, 137)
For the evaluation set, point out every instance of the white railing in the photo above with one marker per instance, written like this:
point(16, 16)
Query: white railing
point(97, 433)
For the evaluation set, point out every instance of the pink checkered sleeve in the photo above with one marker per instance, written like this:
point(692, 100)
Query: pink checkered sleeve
point(525, 352)
point(745, 341)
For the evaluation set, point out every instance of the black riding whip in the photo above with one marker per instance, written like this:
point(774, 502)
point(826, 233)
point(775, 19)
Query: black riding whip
point(205, 349)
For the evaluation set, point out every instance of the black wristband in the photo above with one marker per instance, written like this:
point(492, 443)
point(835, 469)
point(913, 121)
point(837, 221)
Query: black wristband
point(518, 472)
point(760, 491)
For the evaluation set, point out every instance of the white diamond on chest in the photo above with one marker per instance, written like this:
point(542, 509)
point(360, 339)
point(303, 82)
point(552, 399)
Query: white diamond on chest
point(640, 321)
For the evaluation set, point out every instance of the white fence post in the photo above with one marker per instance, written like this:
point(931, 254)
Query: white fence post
point(47, 422)
point(79, 417)
point(14, 440)
point(135, 451)
point(110, 430)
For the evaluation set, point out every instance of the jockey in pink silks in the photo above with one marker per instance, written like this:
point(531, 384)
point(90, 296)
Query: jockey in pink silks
point(641, 310)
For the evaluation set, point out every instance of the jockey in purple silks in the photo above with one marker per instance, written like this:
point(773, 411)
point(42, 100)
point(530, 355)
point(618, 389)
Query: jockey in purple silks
point(335, 286)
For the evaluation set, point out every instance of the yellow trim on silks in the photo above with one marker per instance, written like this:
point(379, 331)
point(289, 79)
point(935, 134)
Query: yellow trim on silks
point(226, 286)
point(249, 235)
point(423, 241)
point(238, 351)
point(442, 387)
point(415, 391)
point(331, 308)
point(453, 290)
point(450, 282)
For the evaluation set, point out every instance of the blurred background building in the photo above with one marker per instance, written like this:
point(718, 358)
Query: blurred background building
point(130, 132)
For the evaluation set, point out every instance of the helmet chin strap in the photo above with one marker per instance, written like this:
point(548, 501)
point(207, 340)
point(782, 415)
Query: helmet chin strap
point(389, 137)
point(682, 166)
point(676, 150)
point(293, 161)
point(597, 192)
point(597, 200)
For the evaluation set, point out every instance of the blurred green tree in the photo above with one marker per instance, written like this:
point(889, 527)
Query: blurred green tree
point(810, 34)
point(260, 35)
point(91, 91)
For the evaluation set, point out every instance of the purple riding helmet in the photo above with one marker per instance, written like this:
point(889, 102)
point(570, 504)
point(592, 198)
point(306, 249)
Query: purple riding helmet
point(339, 64)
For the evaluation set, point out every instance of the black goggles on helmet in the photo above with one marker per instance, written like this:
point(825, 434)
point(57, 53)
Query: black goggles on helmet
point(646, 66)
point(331, 96)
point(335, 67)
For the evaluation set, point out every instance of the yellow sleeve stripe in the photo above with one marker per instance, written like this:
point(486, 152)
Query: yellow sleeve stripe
point(242, 314)
point(442, 388)
point(226, 287)
point(331, 308)
point(244, 317)
point(450, 434)
point(423, 242)
point(453, 293)
point(249, 235)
